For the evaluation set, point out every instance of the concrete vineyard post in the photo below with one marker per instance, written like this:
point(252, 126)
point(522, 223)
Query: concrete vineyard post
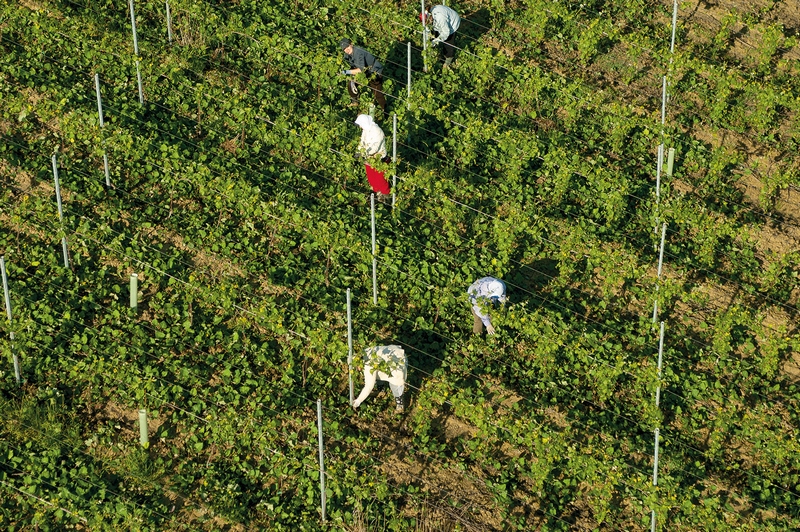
point(136, 54)
point(99, 100)
point(60, 212)
point(144, 438)
point(105, 167)
point(321, 459)
point(670, 161)
point(169, 24)
point(424, 40)
point(408, 79)
point(7, 295)
point(134, 291)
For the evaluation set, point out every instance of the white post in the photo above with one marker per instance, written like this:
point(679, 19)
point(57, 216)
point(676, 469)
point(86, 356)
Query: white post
point(144, 438)
point(134, 291)
point(99, 100)
point(659, 167)
point(372, 219)
point(321, 458)
point(674, 24)
point(660, 356)
point(661, 249)
point(8, 313)
point(424, 39)
point(136, 53)
point(670, 161)
point(105, 167)
point(169, 24)
point(374, 250)
point(374, 281)
point(60, 212)
point(663, 100)
point(350, 345)
point(655, 481)
point(408, 81)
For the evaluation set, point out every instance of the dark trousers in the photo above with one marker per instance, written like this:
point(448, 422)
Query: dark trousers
point(376, 84)
point(449, 47)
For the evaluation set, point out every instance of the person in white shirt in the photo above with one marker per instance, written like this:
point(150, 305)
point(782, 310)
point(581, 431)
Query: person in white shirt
point(483, 294)
point(386, 363)
point(373, 146)
point(445, 22)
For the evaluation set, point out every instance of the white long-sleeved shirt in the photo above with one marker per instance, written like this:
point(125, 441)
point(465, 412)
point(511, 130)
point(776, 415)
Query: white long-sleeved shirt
point(445, 21)
point(482, 291)
point(393, 359)
point(373, 141)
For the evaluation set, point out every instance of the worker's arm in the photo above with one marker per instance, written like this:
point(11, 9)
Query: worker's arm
point(369, 383)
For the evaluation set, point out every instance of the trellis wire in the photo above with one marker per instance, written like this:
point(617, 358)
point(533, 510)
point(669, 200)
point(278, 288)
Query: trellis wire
point(10, 323)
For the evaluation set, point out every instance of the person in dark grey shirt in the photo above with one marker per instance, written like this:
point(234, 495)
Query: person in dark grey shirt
point(361, 60)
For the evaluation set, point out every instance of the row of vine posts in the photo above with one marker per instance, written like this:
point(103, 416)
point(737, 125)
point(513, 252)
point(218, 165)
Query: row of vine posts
point(659, 170)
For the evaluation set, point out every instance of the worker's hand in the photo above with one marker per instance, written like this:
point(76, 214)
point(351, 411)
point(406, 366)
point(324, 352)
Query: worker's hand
point(490, 329)
point(437, 41)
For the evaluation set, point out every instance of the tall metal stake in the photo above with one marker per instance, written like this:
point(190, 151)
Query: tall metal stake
point(655, 481)
point(408, 81)
point(8, 312)
point(321, 458)
point(660, 357)
point(136, 54)
point(169, 24)
point(674, 24)
point(102, 123)
point(394, 156)
point(659, 167)
point(374, 250)
point(60, 212)
point(99, 100)
point(350, 345)
point(424, 40)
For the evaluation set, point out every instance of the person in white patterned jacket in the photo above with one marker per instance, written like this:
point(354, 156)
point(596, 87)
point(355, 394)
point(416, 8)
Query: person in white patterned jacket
point(483, 294)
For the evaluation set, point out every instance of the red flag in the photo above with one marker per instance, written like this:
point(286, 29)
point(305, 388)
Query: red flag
point(377, 180)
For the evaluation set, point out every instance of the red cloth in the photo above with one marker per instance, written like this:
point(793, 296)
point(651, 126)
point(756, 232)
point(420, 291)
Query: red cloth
point(377, 180)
